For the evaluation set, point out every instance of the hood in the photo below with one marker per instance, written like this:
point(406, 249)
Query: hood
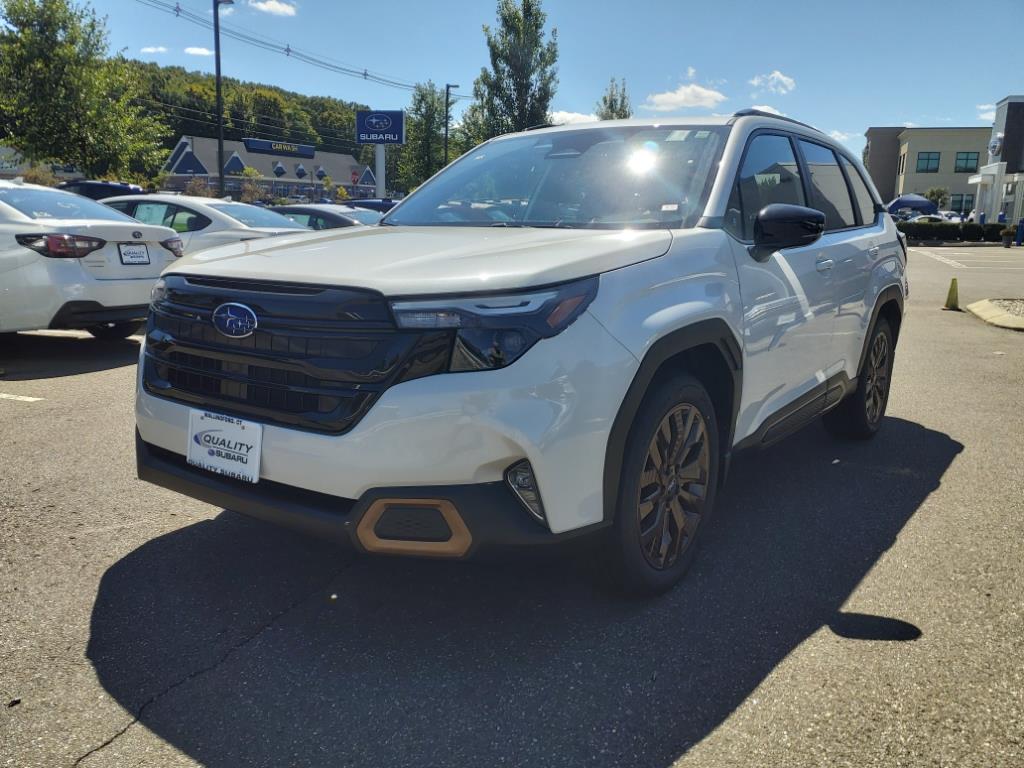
point(414, 260)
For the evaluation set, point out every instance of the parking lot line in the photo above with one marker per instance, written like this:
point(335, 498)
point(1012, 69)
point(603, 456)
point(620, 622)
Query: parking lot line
point(943, 259)
point(20, 398)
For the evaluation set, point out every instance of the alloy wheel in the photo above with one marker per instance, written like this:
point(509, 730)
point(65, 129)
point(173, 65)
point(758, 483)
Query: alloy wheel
point(877, 385)
point(673, 486)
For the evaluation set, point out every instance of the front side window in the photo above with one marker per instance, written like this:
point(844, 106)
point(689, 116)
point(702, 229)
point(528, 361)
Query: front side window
point(928, 162)
point(52, 204)
point(829, 193)
point(601, 178)
point(769, 174)
point(966, 162)
point(254, 216)
point(861, 193)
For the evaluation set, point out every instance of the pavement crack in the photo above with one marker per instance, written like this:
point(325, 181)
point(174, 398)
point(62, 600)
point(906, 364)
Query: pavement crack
point(231, 651)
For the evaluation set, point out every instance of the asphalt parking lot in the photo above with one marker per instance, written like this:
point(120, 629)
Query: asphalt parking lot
point(853, 604)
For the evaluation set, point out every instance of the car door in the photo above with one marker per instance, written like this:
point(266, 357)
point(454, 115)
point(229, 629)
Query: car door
point(876, 252)
point(788, 297)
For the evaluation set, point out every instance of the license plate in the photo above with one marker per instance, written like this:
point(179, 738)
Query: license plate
point(225, 445)
point(133, 253)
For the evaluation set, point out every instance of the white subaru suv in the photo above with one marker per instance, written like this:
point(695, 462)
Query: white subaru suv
point(567, 332)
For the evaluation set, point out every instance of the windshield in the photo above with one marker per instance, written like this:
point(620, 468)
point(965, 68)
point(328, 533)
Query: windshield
point(608, 178)
point(254, 216)
point(51, 204)
point(363, 216)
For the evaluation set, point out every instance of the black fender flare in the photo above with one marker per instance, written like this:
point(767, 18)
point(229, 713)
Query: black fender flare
point(891, 293)
point(715, 332)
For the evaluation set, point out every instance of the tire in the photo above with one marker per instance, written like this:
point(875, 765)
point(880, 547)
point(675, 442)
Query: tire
point(860, 415)
point(647, 550)
point(114, 331)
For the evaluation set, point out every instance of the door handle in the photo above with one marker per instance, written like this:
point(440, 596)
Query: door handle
point(824, 265)
point(873, 251)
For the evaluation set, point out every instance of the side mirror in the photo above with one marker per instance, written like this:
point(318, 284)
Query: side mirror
point(779, 226)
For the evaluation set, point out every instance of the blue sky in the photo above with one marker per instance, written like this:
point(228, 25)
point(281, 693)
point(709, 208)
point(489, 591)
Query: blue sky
point(840, 66)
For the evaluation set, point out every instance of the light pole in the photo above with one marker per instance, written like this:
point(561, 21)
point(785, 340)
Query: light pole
point(220, 100)
point(447, 103)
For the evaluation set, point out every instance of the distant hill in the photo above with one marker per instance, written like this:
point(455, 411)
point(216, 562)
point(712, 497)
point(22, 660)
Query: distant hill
point(186, 101)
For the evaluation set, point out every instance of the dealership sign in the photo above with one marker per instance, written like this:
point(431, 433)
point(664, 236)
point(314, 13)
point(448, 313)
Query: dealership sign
point(380, 127)
point(267, 147)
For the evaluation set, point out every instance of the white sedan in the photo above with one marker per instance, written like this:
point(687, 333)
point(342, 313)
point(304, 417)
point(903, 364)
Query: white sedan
point(204, 222)
point(70, 262)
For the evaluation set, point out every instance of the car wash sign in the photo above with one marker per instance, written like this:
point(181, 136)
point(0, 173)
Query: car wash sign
point(380, 127)
point(286, 148)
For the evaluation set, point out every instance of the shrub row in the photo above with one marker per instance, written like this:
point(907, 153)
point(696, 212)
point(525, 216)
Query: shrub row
point(950, 231)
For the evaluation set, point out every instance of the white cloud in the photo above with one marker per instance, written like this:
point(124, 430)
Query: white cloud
point(986, 107)
point(690, 73)
point(568, 118)
point(774, 82)
point(840, 135)
point(274, 7)
point(769, 109)
point(986, 112)
point(909, 124)
point(195, 50)
point(154, 49)
point(691, 95)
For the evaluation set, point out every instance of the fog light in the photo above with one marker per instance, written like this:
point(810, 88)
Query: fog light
point(521, 480)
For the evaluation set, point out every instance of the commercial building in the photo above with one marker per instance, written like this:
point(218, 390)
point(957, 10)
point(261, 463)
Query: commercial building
point(285, 168)
point(999, 184)
point(903, 160)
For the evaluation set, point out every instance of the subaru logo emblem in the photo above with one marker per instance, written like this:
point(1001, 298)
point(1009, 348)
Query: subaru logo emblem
point(378, 122)
point(137, 235)
point(234, 320)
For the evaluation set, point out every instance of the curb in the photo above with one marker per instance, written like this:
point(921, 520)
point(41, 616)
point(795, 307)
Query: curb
point(993, 315)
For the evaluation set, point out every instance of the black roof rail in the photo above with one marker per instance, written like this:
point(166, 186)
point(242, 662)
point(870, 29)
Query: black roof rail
point(538, 126)
point(761, 113)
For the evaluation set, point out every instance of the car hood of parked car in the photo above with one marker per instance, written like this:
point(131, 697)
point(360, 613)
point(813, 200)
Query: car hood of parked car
point(415, 260)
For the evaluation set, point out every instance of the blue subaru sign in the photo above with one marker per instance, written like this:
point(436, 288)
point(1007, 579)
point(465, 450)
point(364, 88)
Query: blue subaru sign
point(234, 320)
point(386, 127)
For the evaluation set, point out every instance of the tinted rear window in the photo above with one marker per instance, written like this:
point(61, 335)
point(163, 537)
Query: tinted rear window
point(51, 204)
point(828, 187)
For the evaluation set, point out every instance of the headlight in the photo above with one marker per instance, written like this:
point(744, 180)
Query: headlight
point(493, 331)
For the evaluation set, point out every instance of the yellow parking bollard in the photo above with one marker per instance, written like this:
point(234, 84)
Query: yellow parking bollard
point(953, 297)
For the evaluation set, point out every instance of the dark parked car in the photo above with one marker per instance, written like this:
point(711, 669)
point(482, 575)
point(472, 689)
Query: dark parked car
point(99, 190)
point(327, 215)
point(382, 204)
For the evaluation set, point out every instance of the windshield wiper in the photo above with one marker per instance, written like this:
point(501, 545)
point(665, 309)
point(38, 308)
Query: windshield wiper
point(535, 224)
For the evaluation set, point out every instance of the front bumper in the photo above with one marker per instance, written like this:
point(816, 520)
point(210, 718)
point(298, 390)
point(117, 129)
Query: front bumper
point(489, 516)
point(555, 407)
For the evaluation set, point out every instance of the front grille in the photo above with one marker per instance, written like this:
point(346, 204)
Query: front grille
point(318, 360)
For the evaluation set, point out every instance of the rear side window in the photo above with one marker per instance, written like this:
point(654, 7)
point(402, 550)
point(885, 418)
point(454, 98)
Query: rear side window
point(298, 218)
point(769, 174)
point(861, 193)
point(829, 193)
point(124, 206)
point(179, 219)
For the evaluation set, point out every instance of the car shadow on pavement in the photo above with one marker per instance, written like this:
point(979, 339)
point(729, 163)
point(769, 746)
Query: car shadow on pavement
point(241, 644)
point(29, 356)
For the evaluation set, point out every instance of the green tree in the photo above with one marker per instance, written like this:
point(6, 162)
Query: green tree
point(614, 104)
point(52, 64)
point(938, 195)
point(516, 92)
point(252, 188)
point(423, 153)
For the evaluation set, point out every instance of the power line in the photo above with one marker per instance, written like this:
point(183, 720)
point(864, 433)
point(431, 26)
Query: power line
point(331, 138)
point(275, 46)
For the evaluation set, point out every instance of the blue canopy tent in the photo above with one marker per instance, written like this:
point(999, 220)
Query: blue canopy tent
point(914, 203)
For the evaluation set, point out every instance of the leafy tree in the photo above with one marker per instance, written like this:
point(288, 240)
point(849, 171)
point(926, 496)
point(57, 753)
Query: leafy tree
point(938, 195)
point(40, 174)
point(423, 153)
point(252, 189)
point(341, 193)
point(516, 92)
point(52, 63)
point(614, 104)
point(328, 183)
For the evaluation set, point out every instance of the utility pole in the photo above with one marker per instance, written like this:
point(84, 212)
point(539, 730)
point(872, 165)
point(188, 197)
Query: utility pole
point(220, 99)
point(447, 106)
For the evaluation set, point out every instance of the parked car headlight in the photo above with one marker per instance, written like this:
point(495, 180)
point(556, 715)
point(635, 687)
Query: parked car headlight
point(158, 292)
point(495, 330)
